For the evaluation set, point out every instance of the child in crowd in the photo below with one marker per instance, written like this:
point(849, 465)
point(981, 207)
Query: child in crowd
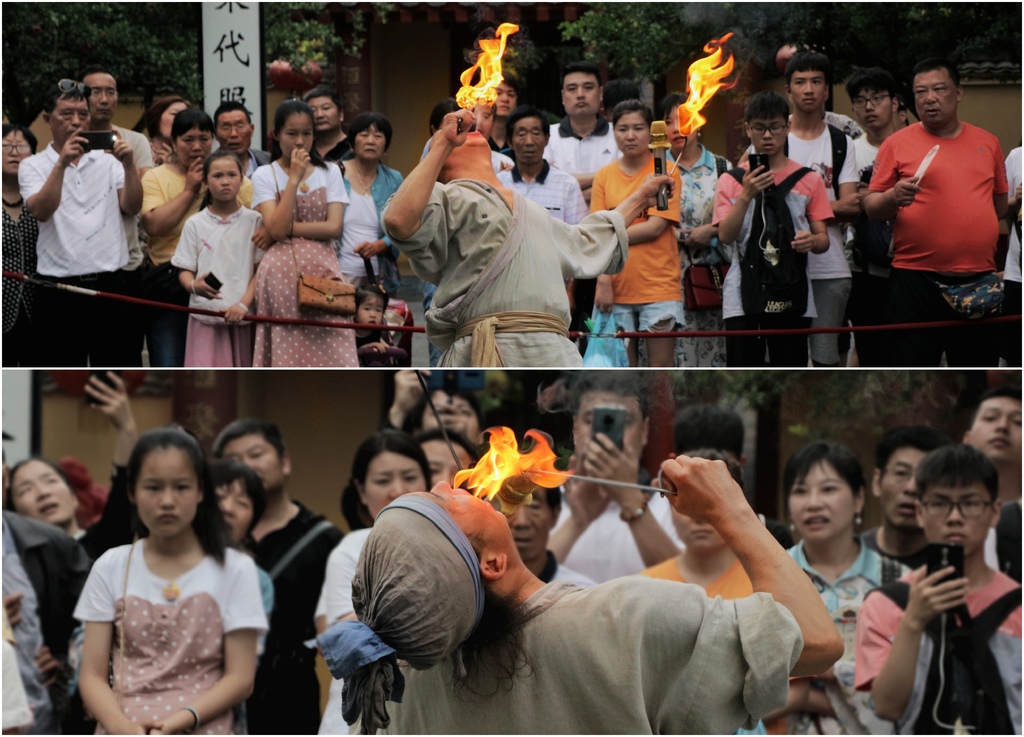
point(374, 346)
point(216, 244)
point(178, 612)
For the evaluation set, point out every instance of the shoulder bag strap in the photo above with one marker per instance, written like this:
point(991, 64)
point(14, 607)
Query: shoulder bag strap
point(298, 547)
point(838, 154)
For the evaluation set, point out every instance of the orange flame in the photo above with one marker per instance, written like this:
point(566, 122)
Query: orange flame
point(503, 461)
point(704, 79)
point(489, 63)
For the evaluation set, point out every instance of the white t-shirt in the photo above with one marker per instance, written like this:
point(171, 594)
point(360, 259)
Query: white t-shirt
point(1013, 177)
point(336, 595)
point(142, 157)
point(16, 712)
point(607, 549)
point(224, 248)
point(817, 154)
point(85, 234)
point(362, 224)
point(263, 189)
point(864, 155)
point(581, 155)
point(234, 588)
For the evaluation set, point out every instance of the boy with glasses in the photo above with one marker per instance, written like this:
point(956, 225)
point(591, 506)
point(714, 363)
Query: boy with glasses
point(896, 646)
point(767, 116)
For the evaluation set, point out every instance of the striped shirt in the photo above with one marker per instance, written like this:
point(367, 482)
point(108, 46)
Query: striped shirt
point(557, 192)
point(85, 234)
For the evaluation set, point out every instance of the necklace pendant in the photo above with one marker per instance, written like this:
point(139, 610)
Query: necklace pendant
point(771, 254)
point(304, 187)
point(171, 592)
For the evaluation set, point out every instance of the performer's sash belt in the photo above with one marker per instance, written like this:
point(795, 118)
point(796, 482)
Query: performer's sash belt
point(485, 327)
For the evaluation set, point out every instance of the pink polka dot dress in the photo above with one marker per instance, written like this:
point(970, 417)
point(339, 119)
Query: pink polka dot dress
point(174, 646)
point(277, 295)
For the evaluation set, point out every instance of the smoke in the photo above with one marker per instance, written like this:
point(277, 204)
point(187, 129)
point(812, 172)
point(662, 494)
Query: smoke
point(651, 389)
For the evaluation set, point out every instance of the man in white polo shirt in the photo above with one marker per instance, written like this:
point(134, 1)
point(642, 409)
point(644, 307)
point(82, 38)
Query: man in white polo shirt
point(78, 196)
point(559, 193)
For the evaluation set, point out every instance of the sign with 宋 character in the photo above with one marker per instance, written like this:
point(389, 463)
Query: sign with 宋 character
point(232, 60)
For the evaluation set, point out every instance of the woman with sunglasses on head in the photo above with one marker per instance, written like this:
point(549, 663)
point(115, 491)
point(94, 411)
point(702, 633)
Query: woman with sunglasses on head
point(824, 486)
point(172, 193)
point(19, 250)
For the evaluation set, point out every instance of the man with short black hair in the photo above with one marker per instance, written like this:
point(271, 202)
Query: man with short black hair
point(897, 455)
point(902, 626)
point(79, 198)
point(328, 115)
point(531, 525)
point(947, 224)
point(558, 192)
point(233, 127)
point(873, 96)
point(292, 543)
point(812, 142)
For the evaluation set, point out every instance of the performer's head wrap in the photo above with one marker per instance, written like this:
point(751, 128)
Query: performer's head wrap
point(418, 595)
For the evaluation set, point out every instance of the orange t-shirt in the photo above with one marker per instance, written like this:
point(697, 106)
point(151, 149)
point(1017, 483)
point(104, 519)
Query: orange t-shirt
point(951, 227)
point(652, 269)
point(733, 584)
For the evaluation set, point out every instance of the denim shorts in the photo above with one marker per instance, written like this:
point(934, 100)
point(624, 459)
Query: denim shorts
point(653, 316)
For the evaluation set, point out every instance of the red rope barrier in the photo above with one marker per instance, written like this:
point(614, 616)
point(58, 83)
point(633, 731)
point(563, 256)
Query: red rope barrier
point(574, 334)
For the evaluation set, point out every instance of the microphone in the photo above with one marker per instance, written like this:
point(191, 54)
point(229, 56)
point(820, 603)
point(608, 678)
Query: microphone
point(659, 145)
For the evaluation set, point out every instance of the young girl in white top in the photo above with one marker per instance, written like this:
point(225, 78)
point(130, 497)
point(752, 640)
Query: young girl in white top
point(178, 611)
point(218, 259)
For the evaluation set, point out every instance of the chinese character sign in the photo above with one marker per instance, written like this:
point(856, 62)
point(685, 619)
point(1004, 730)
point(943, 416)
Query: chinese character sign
point(233, 68)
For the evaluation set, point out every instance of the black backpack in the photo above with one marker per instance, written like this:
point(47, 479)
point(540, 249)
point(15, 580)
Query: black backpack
point(973, 691)
point(1008, 540)
point(874, 237)
point(774, 276)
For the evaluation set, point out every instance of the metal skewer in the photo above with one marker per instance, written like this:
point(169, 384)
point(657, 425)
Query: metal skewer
point(606, 482)
point(437, 416)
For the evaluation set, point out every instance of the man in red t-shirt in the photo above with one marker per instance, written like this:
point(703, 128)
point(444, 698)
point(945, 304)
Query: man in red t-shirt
point(947, 222)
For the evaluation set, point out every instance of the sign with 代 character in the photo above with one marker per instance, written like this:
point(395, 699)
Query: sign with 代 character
point(232, 60)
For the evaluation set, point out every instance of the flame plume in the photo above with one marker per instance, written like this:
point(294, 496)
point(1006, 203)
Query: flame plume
point(489, 63)
point(506, 473)
point(704, 79)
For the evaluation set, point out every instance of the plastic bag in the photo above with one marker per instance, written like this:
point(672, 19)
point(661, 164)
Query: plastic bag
point(604, 352)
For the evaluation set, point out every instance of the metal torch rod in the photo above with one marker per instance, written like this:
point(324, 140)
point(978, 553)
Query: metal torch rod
point(606, 482)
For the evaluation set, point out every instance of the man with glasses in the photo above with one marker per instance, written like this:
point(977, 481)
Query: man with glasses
point(233, 127)
point(947, 223)
point(79, 197)
point(897, 455)
point(873, 96)
point(957, 503)
point(767, 125)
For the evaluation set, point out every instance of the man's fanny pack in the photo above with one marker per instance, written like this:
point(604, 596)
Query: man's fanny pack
point(981, 297)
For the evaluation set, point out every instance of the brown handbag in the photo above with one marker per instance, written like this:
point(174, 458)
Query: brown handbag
point(702, 287)
point(324, 293)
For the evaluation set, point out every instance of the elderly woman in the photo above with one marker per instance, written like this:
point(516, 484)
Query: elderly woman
point(19, 250)
point(824, 486)
point(466, 618)
point(370, 185)
point(172, 193)
point(159, 118)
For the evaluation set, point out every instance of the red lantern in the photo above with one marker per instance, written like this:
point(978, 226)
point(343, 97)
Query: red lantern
point(285, 77)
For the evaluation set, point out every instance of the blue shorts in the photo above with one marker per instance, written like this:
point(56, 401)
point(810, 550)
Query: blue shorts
point(653, 317)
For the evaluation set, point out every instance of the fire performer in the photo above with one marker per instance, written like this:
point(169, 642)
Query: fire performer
point(499, 260)
point(489, 648)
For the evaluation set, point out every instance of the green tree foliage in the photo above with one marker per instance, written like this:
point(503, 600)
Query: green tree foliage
point(152, 49)
point(301, 32)
point(647, 39)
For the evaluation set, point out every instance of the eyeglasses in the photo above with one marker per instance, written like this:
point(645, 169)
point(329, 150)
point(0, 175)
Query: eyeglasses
point(968, 508)
point(17, 148)
point(875, 100)
point(67, 85)
point(760, 130)
point(237, 127)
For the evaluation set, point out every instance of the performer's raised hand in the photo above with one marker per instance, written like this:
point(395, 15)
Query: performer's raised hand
point(456, 127)
point(704, 489)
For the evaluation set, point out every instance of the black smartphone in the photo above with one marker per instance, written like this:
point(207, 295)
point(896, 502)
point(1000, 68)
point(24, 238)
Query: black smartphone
point(609, 420)
point(943, 555)
point(102, 376)
point(98, 140)
point(213, 281)
point(757, 160)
